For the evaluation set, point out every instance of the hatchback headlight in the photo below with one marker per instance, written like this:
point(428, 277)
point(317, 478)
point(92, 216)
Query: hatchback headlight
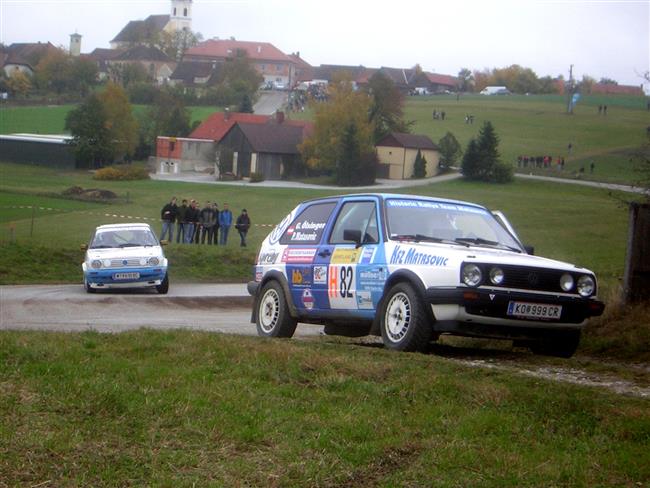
point(154, 261)
point(496, 276)
point(472, 275)
point(586, 285)
point(566, 282)
point(96, 264)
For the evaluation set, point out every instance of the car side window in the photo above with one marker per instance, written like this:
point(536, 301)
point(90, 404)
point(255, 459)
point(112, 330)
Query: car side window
point(309, 225)
point(356, 216)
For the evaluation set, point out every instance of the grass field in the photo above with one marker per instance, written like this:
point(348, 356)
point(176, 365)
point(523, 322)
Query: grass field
point(187, 408)
point(577, 224)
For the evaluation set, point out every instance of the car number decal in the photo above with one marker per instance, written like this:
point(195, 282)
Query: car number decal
point(341, 287)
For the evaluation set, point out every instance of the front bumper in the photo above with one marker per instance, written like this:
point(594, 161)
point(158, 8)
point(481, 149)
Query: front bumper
point(492, 305)
point(106, 278)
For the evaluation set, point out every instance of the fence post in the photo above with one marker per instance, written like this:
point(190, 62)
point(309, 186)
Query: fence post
point(636, 280)
point(31, 227)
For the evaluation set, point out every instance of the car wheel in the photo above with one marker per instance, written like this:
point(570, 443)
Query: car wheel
point(273, 317)
point(404, 324)
point(89, 289)
point(163, 287)
point(562, 345)
point(347, 330)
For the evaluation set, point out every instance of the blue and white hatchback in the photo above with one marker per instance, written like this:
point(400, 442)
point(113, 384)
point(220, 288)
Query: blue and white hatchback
point(410, 268)
point(124, 256)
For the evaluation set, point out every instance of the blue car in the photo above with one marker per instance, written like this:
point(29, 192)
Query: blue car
point(410, 268)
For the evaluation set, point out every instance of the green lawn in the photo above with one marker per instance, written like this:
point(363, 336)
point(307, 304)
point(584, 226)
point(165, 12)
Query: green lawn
point(539, 126)
point(188, 409)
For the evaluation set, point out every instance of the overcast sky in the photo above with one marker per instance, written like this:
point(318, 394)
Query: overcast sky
point(600, 38)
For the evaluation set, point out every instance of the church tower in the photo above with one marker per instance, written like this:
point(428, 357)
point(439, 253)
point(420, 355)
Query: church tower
point(181, 15)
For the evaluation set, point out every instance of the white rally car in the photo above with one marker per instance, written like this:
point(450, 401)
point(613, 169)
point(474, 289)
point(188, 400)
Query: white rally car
point(410, 268)
point(124, 256)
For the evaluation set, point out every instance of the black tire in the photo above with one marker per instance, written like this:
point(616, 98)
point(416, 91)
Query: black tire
point(163, 287)
point(88, 288)
point(347, 330)
point(273, 317)
point(561, 345)
point(404, 323)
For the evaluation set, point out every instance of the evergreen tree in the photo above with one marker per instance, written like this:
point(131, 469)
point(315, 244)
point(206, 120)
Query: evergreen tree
point(482, 160)
point(450, 150)
point(246, 105)
point(420, 166)
point(349, 160)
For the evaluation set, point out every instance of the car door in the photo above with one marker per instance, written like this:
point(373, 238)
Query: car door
point(349, 248)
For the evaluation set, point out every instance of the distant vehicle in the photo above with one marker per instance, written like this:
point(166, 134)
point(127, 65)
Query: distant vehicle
point(278, 85)
point(495, 90)
point(410, 268)
point(124, 256)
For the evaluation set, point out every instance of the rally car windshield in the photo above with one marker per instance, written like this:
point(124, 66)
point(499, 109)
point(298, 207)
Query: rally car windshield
point(430, 221)
point(123, 238)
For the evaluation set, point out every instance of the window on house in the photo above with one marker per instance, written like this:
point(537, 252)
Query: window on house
point(184, 12)
point(174, 11)
point(172, 145)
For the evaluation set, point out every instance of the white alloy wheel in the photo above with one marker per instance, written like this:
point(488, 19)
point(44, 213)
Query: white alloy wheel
point(398, 316)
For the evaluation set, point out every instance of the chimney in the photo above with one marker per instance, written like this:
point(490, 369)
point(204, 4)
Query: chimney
point(279, 116)
point(226, 113)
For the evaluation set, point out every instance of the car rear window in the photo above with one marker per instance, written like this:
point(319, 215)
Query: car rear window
point(309, 225)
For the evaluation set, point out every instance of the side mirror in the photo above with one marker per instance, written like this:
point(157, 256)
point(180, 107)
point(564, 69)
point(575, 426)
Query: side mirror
point(84, 247)
point(353, 235)
point(530, 250)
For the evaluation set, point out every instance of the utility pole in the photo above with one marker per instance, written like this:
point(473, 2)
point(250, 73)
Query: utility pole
point(569, 90)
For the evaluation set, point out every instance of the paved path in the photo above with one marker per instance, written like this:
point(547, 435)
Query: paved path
point(380, 186)
point(269, 102)
point(383, 185)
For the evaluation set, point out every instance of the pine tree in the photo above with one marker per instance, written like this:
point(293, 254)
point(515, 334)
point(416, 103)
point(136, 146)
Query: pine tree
point(482, 160)
point(420, 166)
point(450, 150)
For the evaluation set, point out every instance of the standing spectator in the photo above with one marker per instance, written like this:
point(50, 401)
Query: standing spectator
point(591, 167)
point(181, 215)
point(192, 218)
point(604, 109)
point(225, 221)
point(242, 225)
point(208, 221)
point(168, 217)
point(569, 147)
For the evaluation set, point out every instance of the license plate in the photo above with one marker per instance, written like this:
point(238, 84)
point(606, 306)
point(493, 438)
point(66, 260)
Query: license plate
point(534, 310)
point(126, 276)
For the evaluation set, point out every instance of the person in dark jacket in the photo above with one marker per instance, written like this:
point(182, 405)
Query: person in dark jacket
point(168, 217)
point(192, 219)
point(242, 225)
point(216, 226)
point(181, 223)
point(208, 220)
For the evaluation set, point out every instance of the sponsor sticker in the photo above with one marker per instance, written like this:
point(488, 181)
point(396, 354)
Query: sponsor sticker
point(269, 257)
point(276, 233)
point(364, 300)
point(368, 254)
point(301, 255)
point(307, 299)
point(301, 277)
point(343, 255)
point(320, 275)
point(411, 255)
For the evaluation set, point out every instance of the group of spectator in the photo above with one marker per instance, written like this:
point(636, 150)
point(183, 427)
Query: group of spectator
point(195, 225)
point(539, 162)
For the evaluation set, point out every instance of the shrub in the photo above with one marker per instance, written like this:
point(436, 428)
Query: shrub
point(121, 173)
point(256, 177)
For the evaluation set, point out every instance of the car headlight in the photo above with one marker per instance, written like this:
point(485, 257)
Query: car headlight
point(496, 276)
point(586, 285)
point(96, 264)
point(566, 282)
point(154, 261)
point(472, 275)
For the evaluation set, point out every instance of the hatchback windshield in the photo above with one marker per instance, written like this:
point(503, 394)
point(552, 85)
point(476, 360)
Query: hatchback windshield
point(423, 220)
point(123, 238)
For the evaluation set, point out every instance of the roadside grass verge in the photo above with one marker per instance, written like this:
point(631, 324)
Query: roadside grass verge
point(185, 408)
